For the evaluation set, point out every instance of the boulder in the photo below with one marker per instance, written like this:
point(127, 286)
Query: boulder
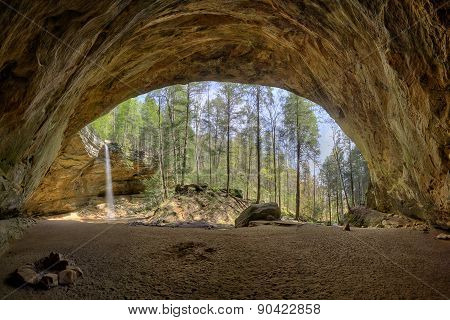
point(443, 236)
point(262, 211)
point(361, 216)
point(54, 261)
point(49, 280)
point(47, 272)
point(67, 277)
point(27, 274)
point(76, 269)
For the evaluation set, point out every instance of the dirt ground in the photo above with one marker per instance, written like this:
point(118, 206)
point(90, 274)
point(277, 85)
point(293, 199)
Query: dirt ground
point(267, 262)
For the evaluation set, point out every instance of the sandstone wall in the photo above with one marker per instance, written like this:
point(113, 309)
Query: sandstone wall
point(378, 67)
point(77, 176)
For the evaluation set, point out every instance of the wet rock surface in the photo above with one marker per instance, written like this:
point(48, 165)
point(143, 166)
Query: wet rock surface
point(378, 67)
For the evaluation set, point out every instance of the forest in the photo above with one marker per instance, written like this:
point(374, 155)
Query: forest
point(259, 142)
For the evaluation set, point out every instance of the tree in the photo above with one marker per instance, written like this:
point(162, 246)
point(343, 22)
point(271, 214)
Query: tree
point(328, 175)
point(186, 131)
point(273, 118)
point(337, 152)
point(301, 129)
point(161, 148)
point(348, 144)
point(258, 144)
point(231, 95)
point(191, 134)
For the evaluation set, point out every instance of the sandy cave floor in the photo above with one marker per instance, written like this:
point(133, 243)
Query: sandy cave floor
point(267, 262)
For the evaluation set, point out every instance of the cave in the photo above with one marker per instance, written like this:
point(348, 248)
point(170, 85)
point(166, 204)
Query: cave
point(378, 67)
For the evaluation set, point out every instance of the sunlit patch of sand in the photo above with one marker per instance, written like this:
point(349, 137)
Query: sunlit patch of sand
point(126, 209)
point(72, 216)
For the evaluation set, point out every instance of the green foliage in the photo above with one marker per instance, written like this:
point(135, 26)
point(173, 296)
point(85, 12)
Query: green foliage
point(285, 120)
point(299, 119)
point(153, 192)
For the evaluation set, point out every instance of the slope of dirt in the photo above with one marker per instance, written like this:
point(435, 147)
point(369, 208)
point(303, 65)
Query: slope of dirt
point(199, 203)
point(267, 262)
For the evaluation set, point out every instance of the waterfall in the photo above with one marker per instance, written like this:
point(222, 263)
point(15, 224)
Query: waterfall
point(109, 193)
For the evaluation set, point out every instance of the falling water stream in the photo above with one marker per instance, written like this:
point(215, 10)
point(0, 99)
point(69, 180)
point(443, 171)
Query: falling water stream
point(109, 193)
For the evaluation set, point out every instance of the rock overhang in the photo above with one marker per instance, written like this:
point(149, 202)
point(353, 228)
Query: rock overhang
point(379, 68)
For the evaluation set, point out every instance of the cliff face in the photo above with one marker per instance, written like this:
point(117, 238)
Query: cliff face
point(378, 67)
point(77, 176)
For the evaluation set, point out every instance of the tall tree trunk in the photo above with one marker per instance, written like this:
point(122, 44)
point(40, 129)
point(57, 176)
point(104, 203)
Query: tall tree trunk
point(279, 181)
point(337, 204)
point(350, 160)
point(297, 186)
point(209, 139)
point(183, 169)
point(249, 170)
point(228, 141)
point(329, 201)
point(161, 153)
point(360, 193)
point(287, 184)
point(314, 188)
point(171, 108)
point(338, 161)
point(258, 147)
point(197, 160)
point(216, 153)
point(274, 160)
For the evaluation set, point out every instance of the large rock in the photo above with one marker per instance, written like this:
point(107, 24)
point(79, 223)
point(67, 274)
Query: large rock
point(77, 176)
point(49, 280)
point(379, 68)
point(262, 211)
point(365, 217)
point(46, 273)
point(67, 277)
point(27, 274)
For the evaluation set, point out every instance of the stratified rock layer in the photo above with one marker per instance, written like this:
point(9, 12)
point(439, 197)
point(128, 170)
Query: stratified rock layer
point(77, 176)
point(378, 67)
